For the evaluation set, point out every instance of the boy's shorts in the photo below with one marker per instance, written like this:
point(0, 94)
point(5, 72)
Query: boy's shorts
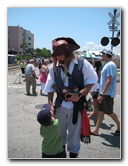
point(107, 105)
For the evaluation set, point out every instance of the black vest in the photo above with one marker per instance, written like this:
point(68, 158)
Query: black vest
point(77, 76)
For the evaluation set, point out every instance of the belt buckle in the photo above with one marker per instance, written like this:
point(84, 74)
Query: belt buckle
point(67, 96)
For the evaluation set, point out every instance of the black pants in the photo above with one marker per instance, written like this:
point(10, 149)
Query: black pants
point(23, 70)
point(59, 155)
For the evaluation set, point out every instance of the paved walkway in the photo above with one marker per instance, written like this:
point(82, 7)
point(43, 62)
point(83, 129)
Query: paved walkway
point(24, 140)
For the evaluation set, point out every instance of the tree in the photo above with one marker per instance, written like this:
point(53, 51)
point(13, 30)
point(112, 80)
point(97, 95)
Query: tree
point(42, 52)
point(38, 51)
point(46, 53)
point(24, 46)
point(31, 51)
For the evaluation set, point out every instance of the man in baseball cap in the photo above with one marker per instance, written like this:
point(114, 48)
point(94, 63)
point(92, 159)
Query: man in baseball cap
point(107, 92)
point(107, 51)
point(30, 77)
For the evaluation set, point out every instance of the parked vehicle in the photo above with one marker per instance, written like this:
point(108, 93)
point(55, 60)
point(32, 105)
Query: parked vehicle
point(12, 59)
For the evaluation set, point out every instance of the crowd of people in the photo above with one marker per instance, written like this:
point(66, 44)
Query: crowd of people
point(61, 119)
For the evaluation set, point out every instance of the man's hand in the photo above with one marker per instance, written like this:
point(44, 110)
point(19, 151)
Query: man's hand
point(99, 99)
point(74, 97)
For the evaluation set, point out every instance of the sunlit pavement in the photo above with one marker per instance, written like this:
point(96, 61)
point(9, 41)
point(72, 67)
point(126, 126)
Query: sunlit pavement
point(24, 140)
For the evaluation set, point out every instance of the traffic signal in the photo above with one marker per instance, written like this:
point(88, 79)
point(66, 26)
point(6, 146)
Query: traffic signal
point(115, 41)
point(104, 41)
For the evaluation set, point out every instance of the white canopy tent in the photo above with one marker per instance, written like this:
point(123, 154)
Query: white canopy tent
point(87, 55)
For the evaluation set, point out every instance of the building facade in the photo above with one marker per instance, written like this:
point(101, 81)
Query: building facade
point(20, 41)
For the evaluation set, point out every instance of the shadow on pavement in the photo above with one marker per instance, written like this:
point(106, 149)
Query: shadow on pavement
point(34, 95)
point(106, 127)
point(113, 141)
point(39, 106)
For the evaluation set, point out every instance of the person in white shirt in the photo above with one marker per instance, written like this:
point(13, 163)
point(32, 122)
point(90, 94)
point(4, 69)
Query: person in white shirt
point(68, 110)
point(30, 77)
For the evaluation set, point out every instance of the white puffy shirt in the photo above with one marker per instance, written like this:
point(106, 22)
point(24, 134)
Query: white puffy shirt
point(90, 77)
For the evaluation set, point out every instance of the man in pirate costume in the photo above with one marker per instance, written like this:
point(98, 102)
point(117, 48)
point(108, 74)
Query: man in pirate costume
point(72, 78)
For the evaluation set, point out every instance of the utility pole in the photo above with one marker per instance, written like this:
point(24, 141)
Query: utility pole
point(114, 22)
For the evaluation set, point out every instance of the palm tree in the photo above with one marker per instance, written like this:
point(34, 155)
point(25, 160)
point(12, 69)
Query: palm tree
point(24, 46)
point(31, 51)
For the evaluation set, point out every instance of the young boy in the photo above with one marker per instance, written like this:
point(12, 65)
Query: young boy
point(50, 129)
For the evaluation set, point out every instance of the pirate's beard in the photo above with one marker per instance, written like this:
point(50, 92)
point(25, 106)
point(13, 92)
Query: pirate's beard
point(61, 61)
point(67, 59)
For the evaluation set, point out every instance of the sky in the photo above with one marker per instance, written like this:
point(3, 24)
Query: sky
point(85, 25)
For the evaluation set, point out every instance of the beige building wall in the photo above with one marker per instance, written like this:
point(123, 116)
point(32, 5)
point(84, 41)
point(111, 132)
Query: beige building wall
point(16, 37)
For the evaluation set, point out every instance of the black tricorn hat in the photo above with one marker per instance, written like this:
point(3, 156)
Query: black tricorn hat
point(63, 45)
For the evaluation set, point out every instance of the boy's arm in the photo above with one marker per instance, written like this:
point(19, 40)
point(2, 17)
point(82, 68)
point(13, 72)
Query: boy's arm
point(41, 133)
point(50, 100)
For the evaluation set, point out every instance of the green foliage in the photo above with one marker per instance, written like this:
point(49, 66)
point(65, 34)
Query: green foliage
point(20, 57)
point(44, 53)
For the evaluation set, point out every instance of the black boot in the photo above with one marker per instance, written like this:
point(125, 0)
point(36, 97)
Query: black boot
point(64, 152)
point(73, 155)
